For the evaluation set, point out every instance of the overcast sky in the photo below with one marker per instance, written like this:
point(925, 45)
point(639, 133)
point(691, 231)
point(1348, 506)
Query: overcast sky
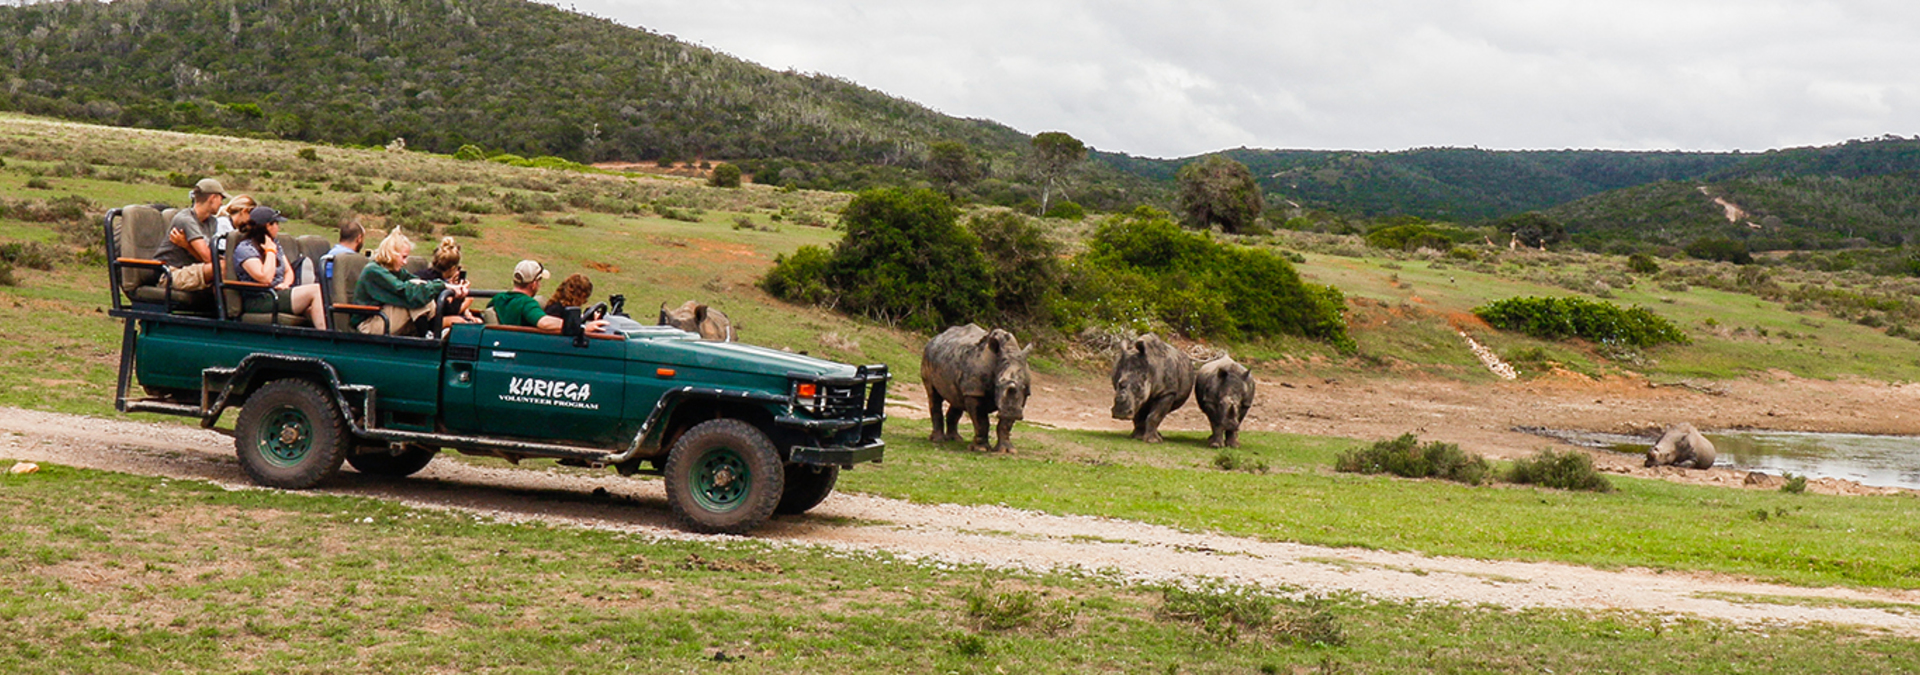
point(1170, 79)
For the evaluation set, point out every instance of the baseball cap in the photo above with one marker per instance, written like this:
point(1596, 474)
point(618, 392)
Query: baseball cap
point(529, 271)
point(265, 214)
point(209, 186)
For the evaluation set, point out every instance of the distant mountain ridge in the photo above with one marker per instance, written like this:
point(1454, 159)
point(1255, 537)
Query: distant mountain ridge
point(509, 75)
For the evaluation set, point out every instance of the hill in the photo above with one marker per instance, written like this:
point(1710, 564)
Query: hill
point(506, 75)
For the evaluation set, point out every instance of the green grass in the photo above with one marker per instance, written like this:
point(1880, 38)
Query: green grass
point(149, 575)
point(1816, 540)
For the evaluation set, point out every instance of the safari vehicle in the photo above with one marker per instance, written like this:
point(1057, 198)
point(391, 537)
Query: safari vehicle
point(739, 432)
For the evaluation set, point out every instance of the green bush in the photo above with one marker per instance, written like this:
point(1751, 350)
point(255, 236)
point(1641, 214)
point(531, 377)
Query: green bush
point(724, 176)
point(801, 277)
point(1721, 249)
point(1011, 610)
point(1406, 456)
point(1561, 318)
point(1795, 484)
point(470, 153)
point(308, 154)
point(467, 230)
point(1226, 614)
point(905, 259)
point(1023, 263)
point(1570, 470)
point(1641, 263)
point(1411, 237)
point(1142, 268)
point(1065, 210)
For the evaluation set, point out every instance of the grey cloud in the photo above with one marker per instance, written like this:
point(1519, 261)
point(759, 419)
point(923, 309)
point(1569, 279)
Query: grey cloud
point(1169, 79)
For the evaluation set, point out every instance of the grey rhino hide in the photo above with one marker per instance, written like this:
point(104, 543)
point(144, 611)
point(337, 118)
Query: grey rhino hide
point(693, 317)
point(1682, 445)
point(979, 372)
point(1150, 380)
point(1224, 391)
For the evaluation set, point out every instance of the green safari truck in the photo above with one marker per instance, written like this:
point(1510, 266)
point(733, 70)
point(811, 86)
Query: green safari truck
point(739, 432)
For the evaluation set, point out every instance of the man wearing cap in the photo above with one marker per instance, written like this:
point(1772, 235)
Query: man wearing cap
point(518, 308)
point(185, 252)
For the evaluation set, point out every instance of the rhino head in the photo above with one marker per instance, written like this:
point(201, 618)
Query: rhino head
point(1132, 378)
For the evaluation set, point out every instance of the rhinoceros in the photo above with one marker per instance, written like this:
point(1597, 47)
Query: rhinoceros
point(1682, 446)
point(693, 317)
point(1224, 390)
point(980, 372)
point(1150, 380)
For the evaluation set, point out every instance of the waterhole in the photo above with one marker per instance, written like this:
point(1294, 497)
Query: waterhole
point(1881, 461)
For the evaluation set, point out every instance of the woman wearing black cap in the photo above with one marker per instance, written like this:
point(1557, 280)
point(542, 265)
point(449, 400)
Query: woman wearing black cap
point(256, 254)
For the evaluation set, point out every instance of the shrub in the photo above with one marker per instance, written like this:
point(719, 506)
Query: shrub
point(1796, 484)
point(467, 230)
point(1144, 264)
point(308, 154)
point(470, 153)
point(1066, 210)
point(1721, 249)
point(724, 176)
point(801, 277)
point(1570, 470)
point(905, 259)
point(1561, 318)
point(1023, 262)
point(1406, 456)
point(1228, 461)
point(6, 274)
point(38, 183)
point(1641, 263)
point(570, 220)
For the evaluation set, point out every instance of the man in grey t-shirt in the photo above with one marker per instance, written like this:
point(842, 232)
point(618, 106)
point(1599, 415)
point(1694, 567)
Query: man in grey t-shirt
point(186, 252)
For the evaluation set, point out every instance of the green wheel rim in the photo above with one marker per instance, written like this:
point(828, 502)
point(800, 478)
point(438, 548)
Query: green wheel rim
point(286, 437)
point(721, 479)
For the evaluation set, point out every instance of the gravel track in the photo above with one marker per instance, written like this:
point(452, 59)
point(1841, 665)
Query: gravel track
point(993, 536)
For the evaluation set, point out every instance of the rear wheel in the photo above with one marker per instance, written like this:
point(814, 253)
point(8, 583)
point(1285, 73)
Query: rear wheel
point(807, 486)
point(723, 476)
point(380, 462)
point(290, 435)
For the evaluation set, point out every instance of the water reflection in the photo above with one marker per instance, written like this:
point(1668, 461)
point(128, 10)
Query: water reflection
point(1884, 461)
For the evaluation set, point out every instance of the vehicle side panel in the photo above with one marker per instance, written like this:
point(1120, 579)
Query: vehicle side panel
point(406, 376)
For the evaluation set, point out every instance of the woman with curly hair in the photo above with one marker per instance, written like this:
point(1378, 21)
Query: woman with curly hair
point(574, 291)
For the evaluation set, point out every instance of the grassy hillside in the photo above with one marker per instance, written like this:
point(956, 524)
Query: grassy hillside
point(510, 75)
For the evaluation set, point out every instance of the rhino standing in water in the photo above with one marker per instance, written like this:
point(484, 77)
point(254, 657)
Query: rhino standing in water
point(1224, 390)
point(1682, 446)
point(980, 372)
point(1150, 380)
point(693, 317)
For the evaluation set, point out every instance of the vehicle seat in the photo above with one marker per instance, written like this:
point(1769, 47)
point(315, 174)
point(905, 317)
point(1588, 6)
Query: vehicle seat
point(489, 317)
point(312, 249)
point(232, 287)
point(341, 275)
point(416, 265)
point(138, 232)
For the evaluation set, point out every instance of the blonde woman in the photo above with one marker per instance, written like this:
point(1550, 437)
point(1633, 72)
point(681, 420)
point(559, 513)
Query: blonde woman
point(234, 215)
point(403, 300)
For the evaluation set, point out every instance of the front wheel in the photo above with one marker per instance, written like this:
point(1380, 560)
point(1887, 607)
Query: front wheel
point(723, 477)
point(807, 486)
point(384, 464)
point(290, 435)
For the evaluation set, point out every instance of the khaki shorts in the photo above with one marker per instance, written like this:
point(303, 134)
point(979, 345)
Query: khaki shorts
point(399, 319)
point(190, 277)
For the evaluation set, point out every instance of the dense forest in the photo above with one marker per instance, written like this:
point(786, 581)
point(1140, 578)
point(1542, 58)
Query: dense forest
point(505, 75)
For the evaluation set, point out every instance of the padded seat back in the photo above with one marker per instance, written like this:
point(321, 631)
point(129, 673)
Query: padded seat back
point(229, 271)
point(312, 249)
point(138, 233)
point(418, 264)
point(339, 287)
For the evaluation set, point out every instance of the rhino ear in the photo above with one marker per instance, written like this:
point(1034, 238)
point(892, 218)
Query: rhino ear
point(1025, 351)
point(699, 313)
point(1140, 346)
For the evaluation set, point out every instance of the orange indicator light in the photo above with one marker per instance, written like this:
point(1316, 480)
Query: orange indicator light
point(808, 391)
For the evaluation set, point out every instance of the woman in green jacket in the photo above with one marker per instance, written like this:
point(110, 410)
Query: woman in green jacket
point(406, 303)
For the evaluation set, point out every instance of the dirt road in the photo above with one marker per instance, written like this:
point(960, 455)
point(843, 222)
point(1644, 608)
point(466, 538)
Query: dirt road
point(986, 535)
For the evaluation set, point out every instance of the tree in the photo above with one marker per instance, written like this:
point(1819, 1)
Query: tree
point(906, 259)
point(1220, 191)
point(724, 176)
point(1534, 229)
point(1053, 153)
point(951, 164)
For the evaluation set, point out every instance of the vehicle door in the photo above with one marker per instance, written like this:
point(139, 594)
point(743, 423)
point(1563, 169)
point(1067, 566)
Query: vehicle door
point(536, 385)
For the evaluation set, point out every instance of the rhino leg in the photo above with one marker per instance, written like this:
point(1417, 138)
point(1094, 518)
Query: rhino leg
point(936, 417)
point(1233, 438)
point(1004, 432)
point(1218, 423)
point(952, 421)
point(1157, 411)
point(977, 412)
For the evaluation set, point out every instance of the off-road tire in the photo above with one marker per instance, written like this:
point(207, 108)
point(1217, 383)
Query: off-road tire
point(380, 462)
point(723, 477)
point(807, 486)
point(290, 435)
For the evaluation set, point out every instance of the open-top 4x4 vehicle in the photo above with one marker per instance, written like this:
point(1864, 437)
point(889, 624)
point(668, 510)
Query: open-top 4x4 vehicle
point(739, 432)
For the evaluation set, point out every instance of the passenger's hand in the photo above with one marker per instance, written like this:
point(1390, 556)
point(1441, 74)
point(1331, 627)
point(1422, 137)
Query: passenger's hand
point(596, 326)
point(177, 237)
point(459, 288)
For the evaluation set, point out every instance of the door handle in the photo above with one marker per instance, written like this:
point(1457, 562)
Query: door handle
point(507, 356)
